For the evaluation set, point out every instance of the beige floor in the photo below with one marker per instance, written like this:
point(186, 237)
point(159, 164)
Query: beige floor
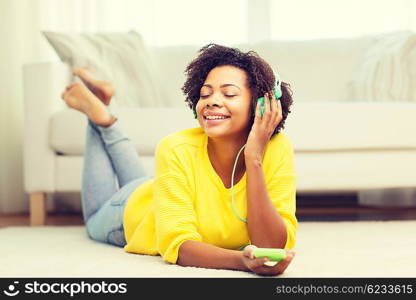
point(324, 249)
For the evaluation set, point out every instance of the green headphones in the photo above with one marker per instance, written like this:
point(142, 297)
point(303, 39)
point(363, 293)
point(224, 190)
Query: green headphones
point(277, 91)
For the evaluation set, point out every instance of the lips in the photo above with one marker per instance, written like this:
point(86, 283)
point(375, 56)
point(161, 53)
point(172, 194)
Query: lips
point(214, 114)
point(215, 122)
point(216, 117)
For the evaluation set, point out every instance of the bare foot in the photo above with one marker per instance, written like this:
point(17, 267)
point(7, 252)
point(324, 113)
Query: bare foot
point(79, 97)
point(104, 90)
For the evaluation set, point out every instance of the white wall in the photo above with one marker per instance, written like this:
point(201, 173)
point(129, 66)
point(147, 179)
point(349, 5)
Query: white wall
point(18, 37)
point(317, 19)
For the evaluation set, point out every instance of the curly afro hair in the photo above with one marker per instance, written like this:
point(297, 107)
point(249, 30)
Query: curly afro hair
point(260, 76)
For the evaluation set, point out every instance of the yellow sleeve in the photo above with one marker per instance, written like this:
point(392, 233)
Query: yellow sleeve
point(175, 218)
point(282, 192)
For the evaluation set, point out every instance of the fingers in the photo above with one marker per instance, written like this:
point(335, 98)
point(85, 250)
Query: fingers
point(273, 106)
point(277, 106)
point(267, 108)
point(257, 264)
point(69, 86)
point(254, 263)
point(279, 109)
point(258, 113)
point(282, 266)
point(249, 251)
point(273, 114)
point(278, 268)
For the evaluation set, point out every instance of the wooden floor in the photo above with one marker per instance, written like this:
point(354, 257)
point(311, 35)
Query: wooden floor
point(303, 214)
point(356, 214)
point(52, 219)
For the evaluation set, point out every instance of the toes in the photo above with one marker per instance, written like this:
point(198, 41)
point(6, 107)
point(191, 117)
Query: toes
point(76, 71)
point(69, 86)
point(64, 95)
point(80, 72)
point(83, 72)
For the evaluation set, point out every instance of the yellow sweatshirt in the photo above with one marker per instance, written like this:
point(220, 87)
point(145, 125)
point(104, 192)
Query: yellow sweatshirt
point(187, 200)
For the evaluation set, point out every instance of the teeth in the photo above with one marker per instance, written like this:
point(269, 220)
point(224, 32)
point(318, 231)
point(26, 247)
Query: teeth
point(215, 117)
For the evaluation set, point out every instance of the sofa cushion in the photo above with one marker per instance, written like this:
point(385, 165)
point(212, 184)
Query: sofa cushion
point(171, 63)
point(352, 126)
point(121, 58)
point(311, 127)
point(144, 126)
point(386, 73)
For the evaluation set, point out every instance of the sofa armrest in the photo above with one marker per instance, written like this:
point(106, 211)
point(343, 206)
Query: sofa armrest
point(43, 84)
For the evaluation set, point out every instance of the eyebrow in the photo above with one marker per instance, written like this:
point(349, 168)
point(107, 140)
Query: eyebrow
point(224, 85)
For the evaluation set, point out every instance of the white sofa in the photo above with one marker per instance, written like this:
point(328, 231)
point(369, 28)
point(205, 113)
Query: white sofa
point(340, 145)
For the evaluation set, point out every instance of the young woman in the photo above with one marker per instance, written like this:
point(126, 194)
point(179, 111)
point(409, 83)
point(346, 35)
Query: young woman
point(193, 212)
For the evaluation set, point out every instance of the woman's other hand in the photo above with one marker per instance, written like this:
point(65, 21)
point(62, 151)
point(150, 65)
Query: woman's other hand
point(256, 265)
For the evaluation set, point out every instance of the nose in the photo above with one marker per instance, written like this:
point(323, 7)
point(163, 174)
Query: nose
point(213, 100)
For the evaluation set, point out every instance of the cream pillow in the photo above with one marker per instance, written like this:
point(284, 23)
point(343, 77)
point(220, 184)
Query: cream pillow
point(121, 58)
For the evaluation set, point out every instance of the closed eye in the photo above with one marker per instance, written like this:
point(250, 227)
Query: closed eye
point(228, 96)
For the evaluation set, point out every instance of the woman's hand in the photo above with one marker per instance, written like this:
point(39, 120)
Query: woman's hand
point(257, 266)
point(263, 127)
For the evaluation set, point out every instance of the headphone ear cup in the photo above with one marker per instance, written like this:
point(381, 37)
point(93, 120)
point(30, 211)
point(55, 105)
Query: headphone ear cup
point(278, 90)
point(261, 100)
point(278, 94)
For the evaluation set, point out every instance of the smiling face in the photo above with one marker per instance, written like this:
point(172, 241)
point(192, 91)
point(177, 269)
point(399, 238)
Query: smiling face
point(224, 105)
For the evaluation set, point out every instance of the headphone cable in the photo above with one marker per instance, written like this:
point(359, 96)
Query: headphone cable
point(232, 187)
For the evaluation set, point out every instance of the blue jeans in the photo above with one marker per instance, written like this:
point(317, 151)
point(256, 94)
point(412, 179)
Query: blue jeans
point(111, 172)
